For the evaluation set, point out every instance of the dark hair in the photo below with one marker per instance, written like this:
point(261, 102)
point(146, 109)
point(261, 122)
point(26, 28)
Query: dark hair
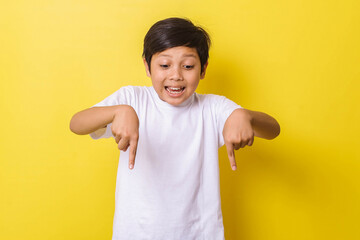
point(174, 32)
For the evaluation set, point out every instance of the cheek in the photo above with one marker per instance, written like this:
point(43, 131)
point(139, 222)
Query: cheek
point(158, 76)
point(157, 82)
point(194, 80)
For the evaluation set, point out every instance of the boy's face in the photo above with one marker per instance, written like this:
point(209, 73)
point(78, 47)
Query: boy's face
point(175, 73)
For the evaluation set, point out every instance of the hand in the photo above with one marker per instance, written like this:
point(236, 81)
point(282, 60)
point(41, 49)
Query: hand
point(125, 128)
point(238, 132)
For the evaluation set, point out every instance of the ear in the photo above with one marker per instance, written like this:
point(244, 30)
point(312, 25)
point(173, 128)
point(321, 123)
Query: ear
point(202, 76)
point(147, 69)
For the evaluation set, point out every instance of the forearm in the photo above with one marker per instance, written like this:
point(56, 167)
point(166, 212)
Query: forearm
point(92, 119)
point(263, 124)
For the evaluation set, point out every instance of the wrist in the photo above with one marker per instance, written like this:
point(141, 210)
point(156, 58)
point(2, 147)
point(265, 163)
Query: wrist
point(245, 113)
point(122, 109)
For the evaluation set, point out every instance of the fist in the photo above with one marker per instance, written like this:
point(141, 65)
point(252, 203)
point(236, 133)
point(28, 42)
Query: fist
point(125, 128)
point(238, 132)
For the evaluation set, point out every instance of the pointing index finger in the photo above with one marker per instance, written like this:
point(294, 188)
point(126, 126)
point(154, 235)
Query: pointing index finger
point(231, 155)
point(132, 153)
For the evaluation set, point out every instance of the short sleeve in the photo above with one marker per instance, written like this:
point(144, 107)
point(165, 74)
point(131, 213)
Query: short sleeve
point(121, 96)
point(224, 107)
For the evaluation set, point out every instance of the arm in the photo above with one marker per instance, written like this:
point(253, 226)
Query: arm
point(264, 125)
point(92, 119)
point(125, 125)
point(241, 127)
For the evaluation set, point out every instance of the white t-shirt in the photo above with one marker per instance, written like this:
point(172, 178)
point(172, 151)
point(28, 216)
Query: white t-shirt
point(173, 191)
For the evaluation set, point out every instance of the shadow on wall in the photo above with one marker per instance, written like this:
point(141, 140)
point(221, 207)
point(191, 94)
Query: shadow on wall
point(263, 182)
point(287, 183)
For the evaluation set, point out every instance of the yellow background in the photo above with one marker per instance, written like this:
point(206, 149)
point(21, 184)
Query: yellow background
point(295, 60)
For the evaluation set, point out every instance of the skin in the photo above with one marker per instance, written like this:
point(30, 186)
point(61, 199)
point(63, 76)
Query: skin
point(242, 126)
point(174, 67)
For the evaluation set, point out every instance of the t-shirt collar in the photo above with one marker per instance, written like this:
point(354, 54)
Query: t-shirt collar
point(160, 102)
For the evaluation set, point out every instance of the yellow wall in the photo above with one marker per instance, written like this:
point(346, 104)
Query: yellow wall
point(295, 60)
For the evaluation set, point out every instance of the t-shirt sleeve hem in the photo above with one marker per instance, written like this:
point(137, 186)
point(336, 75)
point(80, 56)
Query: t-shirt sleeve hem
point(102, 133)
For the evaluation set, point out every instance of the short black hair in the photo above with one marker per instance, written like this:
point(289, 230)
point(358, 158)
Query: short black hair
point(174, 32)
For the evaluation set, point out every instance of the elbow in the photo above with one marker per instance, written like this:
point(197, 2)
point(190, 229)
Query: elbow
point(276, 131)
point(72, 129)
point(74, 126)
point(272, 132)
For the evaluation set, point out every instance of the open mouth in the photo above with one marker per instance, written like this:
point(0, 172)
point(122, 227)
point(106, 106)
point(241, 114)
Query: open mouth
point(175, 90)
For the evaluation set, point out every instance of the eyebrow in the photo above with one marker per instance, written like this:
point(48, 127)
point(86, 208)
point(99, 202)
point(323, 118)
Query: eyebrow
point(185, 55)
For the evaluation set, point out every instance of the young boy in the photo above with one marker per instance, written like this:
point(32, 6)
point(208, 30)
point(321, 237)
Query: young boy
point(170, 137)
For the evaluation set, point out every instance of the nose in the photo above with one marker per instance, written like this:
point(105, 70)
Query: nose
point(176, 74)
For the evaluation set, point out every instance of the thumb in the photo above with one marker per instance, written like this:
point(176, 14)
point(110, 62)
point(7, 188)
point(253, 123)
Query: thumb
point(231, 155)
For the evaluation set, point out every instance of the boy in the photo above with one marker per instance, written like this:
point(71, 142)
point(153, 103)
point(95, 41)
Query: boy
point(170, 137)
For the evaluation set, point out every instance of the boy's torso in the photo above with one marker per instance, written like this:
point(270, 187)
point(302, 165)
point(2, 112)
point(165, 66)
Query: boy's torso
point(173, 191)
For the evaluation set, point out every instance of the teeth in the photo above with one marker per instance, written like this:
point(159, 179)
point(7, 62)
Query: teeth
point(174, 90)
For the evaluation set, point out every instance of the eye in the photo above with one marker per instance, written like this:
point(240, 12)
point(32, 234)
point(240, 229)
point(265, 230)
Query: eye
point(164, 66)
point(189, 66)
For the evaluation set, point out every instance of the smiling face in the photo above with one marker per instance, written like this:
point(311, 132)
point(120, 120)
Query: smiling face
point(175, 73)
